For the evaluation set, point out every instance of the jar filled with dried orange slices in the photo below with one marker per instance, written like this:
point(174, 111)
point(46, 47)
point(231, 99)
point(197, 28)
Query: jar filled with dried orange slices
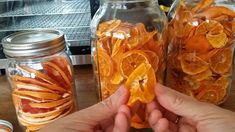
point(41, 77)
point(201, 49)
point(128, 48)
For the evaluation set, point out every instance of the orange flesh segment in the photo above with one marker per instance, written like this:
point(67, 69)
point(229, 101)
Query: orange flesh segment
point(131, 60)
point(141, 84)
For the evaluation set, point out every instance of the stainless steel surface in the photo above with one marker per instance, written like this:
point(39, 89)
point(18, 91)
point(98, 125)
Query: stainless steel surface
point(81, 59)
point(33, 43)
point(76, 60)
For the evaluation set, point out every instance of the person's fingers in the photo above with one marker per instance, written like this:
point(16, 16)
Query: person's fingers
point(161, 126)
point(151, 106)
point(105, 109)
point(122, 120)
point(185, 127)
point(154, 117)
point(181, 104)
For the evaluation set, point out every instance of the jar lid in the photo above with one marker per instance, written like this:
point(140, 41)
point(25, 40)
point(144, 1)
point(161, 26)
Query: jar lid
point(33, 43)
point(7, 124)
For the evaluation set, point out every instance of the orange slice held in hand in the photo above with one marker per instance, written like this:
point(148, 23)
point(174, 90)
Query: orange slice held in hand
point(141, 83)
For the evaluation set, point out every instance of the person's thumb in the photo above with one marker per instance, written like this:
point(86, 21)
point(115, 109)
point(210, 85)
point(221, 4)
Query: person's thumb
point(181, 104)
point(108, 107)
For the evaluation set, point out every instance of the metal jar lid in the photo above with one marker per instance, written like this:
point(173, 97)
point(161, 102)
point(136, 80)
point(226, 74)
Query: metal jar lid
point(6, 124)
point(33, 43)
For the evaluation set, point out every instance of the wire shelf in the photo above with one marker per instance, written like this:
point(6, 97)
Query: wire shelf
point(49, 8)
point(79, 43)
point(50, 21)
point(77, 34)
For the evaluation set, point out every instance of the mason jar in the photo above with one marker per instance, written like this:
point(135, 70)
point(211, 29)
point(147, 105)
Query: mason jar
point(201, 48)
point(41, 77)
point(128, 48)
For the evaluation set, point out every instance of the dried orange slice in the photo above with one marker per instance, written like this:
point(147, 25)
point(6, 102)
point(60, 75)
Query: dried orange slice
point(202, 5)
point(63, 64)
point(209, 26)
point(216, 11)
point(131, 60)
point(31, 87)
point(38, 75)
point(136, 122)
point(214, 27)
point(197, 43)
point(116, 47)
point(141, 84)
point(218, 40)
point(105, 28)
point(50, 104)
point(200, 76)
point(208, 95)
point(105, 64)
point(139, 119)
point(49, 113)
point(40, 95)
point(29, 81)
point(55, 72)
point(104, 44)
point(223, 86)
point(206, 56)
point(133, 41)
point(192, 65)
point(202, 28)
point(153, 59)
point(222, 82)
point(222, 61)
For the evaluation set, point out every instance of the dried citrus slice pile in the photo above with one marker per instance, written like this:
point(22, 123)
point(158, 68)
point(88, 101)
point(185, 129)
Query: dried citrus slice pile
point(202, 53)
point(129, 54)
point(41, 97)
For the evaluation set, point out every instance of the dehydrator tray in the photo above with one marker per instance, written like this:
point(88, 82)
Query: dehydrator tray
point(50, 21)
point(48, 8)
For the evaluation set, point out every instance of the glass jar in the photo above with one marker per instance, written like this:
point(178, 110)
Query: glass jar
point(201, 47)
point(5, 126)
point(41, 77)
point(128, 48)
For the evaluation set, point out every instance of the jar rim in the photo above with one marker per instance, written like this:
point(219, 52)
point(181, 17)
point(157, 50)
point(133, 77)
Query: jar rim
point(33, 43)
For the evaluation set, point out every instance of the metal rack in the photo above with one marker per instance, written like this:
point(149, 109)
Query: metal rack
point(50, 8)
point(71, 16)
point(48, 21)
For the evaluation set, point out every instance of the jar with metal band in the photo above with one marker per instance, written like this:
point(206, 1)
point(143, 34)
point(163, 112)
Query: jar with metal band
point(41, 77)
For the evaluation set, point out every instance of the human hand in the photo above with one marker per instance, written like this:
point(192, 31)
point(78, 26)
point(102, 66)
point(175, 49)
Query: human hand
point(194, 116)
point(108, 115)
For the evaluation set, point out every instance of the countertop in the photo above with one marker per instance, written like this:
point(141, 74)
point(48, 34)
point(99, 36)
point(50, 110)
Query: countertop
point(86, 94)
